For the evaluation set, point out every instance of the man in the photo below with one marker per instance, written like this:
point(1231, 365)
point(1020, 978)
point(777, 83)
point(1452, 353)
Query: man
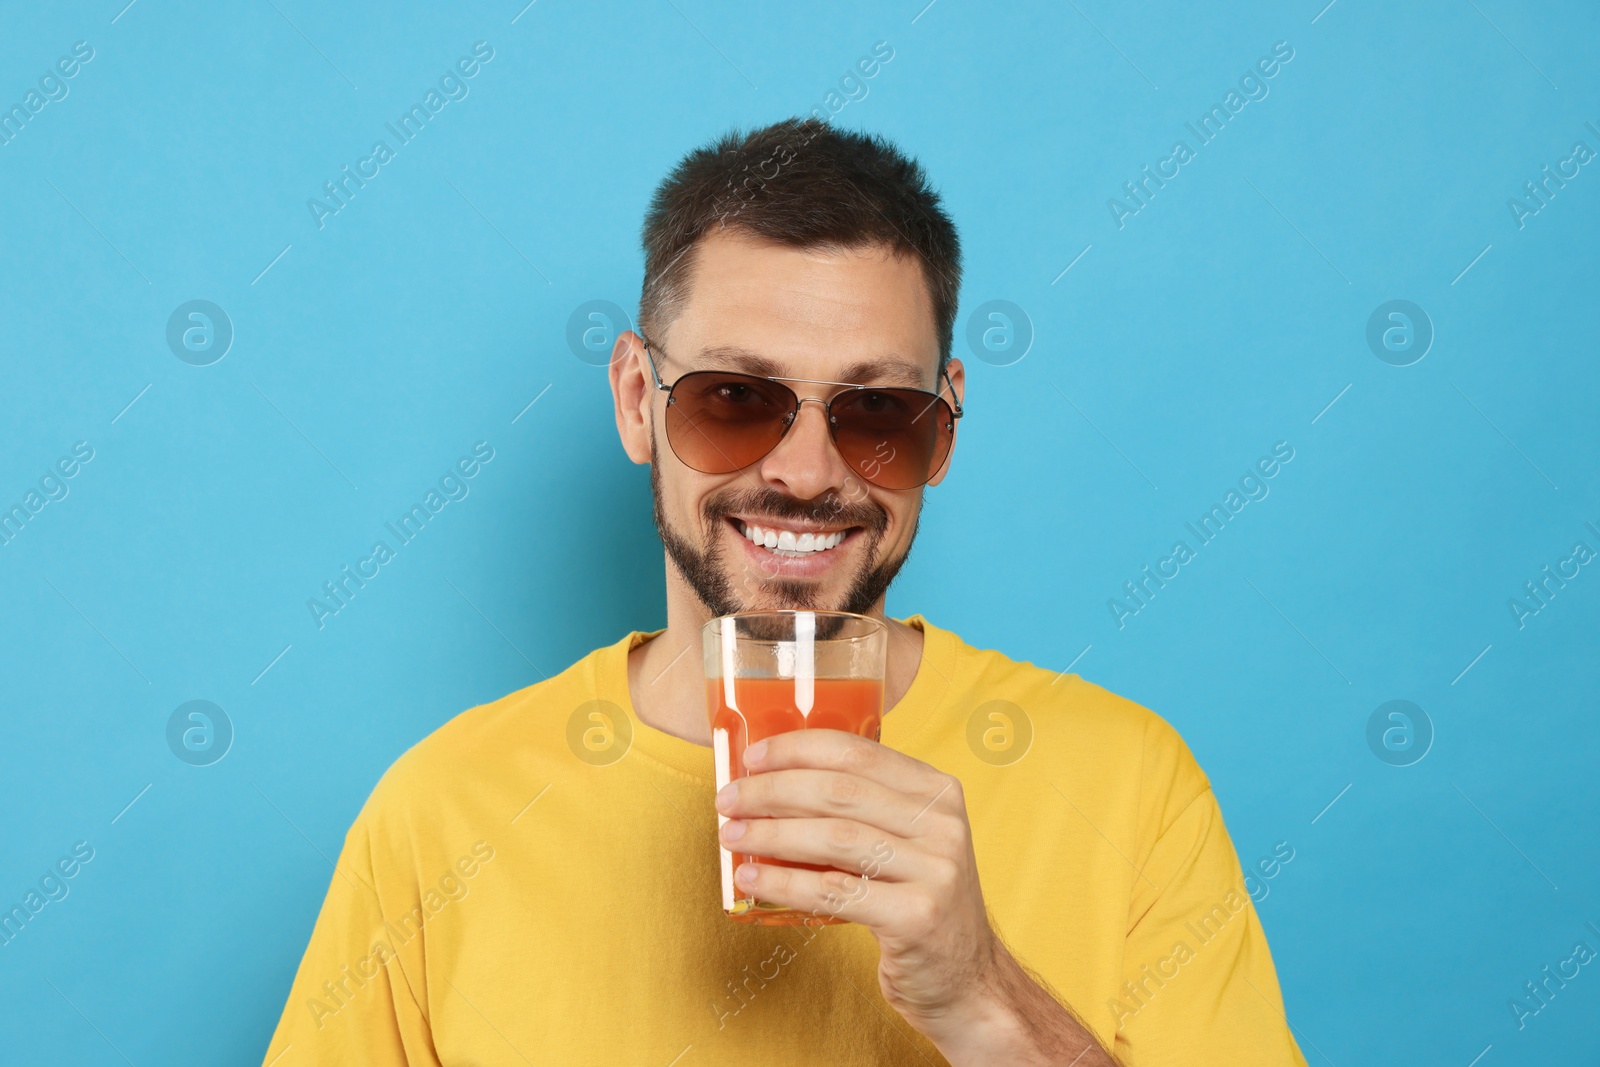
point(538, 880)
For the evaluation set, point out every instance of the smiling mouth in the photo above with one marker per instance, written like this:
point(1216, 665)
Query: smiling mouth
point(791, 544)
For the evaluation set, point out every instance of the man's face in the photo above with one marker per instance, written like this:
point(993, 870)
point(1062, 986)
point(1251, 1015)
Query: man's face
point(859, 316)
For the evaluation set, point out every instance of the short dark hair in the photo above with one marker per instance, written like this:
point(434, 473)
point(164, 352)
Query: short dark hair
point(803, 183)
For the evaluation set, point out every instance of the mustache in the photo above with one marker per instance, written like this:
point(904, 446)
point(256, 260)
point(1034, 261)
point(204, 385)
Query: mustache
point(764, 500)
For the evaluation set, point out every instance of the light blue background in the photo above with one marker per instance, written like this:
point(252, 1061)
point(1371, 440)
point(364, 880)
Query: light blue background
point(1225, 316)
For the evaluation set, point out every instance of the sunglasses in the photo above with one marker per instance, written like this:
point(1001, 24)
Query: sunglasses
point(719, 422)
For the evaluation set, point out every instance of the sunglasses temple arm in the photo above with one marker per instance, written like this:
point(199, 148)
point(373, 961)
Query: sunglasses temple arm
point(954, 399)
point(661, 385)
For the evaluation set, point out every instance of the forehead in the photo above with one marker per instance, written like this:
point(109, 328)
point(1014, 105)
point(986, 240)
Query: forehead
point(859, 314)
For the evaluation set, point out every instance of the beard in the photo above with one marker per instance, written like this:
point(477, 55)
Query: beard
point(725, 588)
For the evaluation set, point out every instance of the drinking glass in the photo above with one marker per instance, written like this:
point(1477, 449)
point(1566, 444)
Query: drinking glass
point(769, 672)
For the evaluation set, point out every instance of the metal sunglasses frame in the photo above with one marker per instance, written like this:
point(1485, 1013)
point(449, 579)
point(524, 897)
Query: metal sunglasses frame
point(827, 405)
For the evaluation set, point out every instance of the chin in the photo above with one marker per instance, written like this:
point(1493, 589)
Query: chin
point(791, 599)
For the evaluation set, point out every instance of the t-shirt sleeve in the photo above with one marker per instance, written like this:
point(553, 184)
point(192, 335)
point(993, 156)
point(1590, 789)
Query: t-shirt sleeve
point(355, 997)
point(1199, 987)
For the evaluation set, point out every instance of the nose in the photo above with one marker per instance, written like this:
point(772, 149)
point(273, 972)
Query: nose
point(806, 465)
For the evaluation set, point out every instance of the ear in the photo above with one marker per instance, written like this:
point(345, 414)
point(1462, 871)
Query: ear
point(958, 381)
point(633, 392)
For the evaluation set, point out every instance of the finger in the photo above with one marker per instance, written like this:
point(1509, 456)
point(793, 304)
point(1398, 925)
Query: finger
point(839, 751)
point(805, 793)
point(853, 847)
point(828, 893)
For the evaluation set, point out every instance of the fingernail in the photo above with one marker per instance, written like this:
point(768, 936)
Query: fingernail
point(727, 796)
point(747, 874)
point(754, 753)
point(733, 829)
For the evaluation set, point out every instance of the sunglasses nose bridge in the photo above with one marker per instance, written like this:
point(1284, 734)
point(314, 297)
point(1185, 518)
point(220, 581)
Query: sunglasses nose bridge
point(793, 413)
point(829, 426)
point(800, 402)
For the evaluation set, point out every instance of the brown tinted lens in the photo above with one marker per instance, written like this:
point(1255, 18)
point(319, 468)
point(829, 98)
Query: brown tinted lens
point(894, 438)
point(719, 422)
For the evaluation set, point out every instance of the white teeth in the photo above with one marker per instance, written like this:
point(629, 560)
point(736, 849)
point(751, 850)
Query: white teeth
point(788, 543)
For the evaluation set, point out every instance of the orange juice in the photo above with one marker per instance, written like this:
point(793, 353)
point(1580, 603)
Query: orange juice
point(763, 707)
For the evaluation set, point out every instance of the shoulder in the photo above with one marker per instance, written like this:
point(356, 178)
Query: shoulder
point(477, 765)
point(1084, 728)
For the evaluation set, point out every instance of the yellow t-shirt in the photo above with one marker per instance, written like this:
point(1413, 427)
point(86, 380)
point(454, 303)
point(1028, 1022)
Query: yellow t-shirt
point(503, 899)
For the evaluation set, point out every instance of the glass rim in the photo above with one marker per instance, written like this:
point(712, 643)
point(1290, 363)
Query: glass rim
point(878, 626)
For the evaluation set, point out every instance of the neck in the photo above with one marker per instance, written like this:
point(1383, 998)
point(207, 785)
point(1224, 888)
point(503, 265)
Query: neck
point(666, 676)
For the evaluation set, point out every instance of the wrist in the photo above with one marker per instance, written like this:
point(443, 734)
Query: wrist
point(988, 1033)
point(1007, 1017)
point(983, 1027)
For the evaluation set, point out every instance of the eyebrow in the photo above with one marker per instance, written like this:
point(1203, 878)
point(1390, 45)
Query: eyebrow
point(890, 370)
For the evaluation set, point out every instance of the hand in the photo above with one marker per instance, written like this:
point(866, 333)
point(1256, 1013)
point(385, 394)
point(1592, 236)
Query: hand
point(832, 798)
